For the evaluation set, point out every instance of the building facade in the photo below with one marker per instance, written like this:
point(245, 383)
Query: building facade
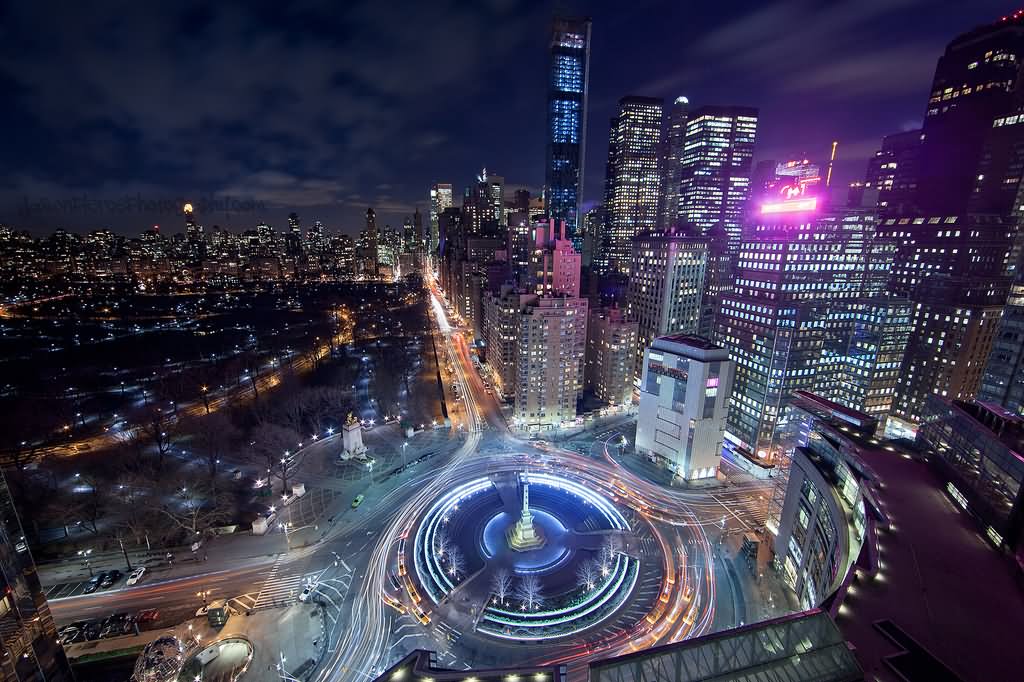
point(672, 164)
point(954, 326)
point(552, 339)
point(716, 168)
point(684, 400)
point(633, 182)
point(440, 199)
point(1003, 381)
point(665, 287)
point(567, 120)
point(796, 270)
point(611, 344)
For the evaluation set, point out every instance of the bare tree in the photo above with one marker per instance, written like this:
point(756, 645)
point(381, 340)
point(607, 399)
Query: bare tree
point(88, 504)
point(152, 428)
point(211, 438)
point(587, 575)
point(529, 594)
point(269, 443)
point(501, 585)
point(456, 563)
point(195, 509)
point(442, 544)
point(606, 555)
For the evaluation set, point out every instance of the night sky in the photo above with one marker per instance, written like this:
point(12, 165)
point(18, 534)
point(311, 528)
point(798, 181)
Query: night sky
point(327, 108)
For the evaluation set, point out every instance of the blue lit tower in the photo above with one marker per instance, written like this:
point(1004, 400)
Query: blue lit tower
point(567, 121)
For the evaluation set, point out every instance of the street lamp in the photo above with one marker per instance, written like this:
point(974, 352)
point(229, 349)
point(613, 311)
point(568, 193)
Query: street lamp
point(85, 553)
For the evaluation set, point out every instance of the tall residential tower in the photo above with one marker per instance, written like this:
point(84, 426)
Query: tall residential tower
point(567, 120)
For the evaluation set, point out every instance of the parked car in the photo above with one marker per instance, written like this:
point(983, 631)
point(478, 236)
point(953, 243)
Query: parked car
point(358, 501)
point(93, 584)
point(110, 577)
point(135, 576)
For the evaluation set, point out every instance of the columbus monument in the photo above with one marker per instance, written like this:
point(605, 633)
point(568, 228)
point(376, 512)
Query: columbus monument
point(523, 537)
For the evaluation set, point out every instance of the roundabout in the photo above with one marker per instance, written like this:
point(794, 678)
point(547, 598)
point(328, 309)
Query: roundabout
point(534, 556)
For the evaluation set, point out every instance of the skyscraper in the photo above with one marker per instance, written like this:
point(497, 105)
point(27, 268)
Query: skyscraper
point(484, 205)
point(672, 165)
point(29, 637)
point(372, 245)
point(440, 199)
point(716, 168)
point(665, 286)
point(567, 119)
point(633, 183)
point(955, 321)
point(794, 268)
point(976, 81)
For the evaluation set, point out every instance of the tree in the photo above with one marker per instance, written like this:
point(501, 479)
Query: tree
point(152, 428)
point(269, 443)
point(501, 585)
point(195, 508)
point(442, 544)
point(88, 503)
point(211, 437)
point(456, 563)
point(529, 593)
point(135, 515)
point(606, 555)
point(587, 575)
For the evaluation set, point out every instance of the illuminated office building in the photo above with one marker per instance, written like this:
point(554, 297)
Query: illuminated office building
point(665, 287)
point(976, 82)
point(567, 120)
point(796, 268)
point(863, 352)
point(484, 205)
point(716, 168)
point(955, 322)
point(672, 164)
point(440, 199)
point(633, 181)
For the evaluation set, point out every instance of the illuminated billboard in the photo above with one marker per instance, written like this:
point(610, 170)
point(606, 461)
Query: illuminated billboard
point(793, 198)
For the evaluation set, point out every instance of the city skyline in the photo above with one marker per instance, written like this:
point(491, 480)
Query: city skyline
point(756, 412)
point(185, 134)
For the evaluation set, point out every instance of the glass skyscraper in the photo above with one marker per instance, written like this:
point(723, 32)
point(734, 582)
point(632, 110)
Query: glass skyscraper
point(716, 168)
point(567, 121)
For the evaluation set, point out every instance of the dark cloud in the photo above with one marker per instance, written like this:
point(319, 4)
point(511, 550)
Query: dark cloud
point(329, 107)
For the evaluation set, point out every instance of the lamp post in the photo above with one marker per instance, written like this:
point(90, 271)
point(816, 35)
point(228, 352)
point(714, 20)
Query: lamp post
point(85, 553)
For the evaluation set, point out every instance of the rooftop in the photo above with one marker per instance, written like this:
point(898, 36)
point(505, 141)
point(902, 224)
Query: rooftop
point(421, 666)
point(944, 604)
point(803, 647)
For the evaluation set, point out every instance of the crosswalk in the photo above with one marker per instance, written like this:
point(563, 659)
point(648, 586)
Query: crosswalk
point(278, 589)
